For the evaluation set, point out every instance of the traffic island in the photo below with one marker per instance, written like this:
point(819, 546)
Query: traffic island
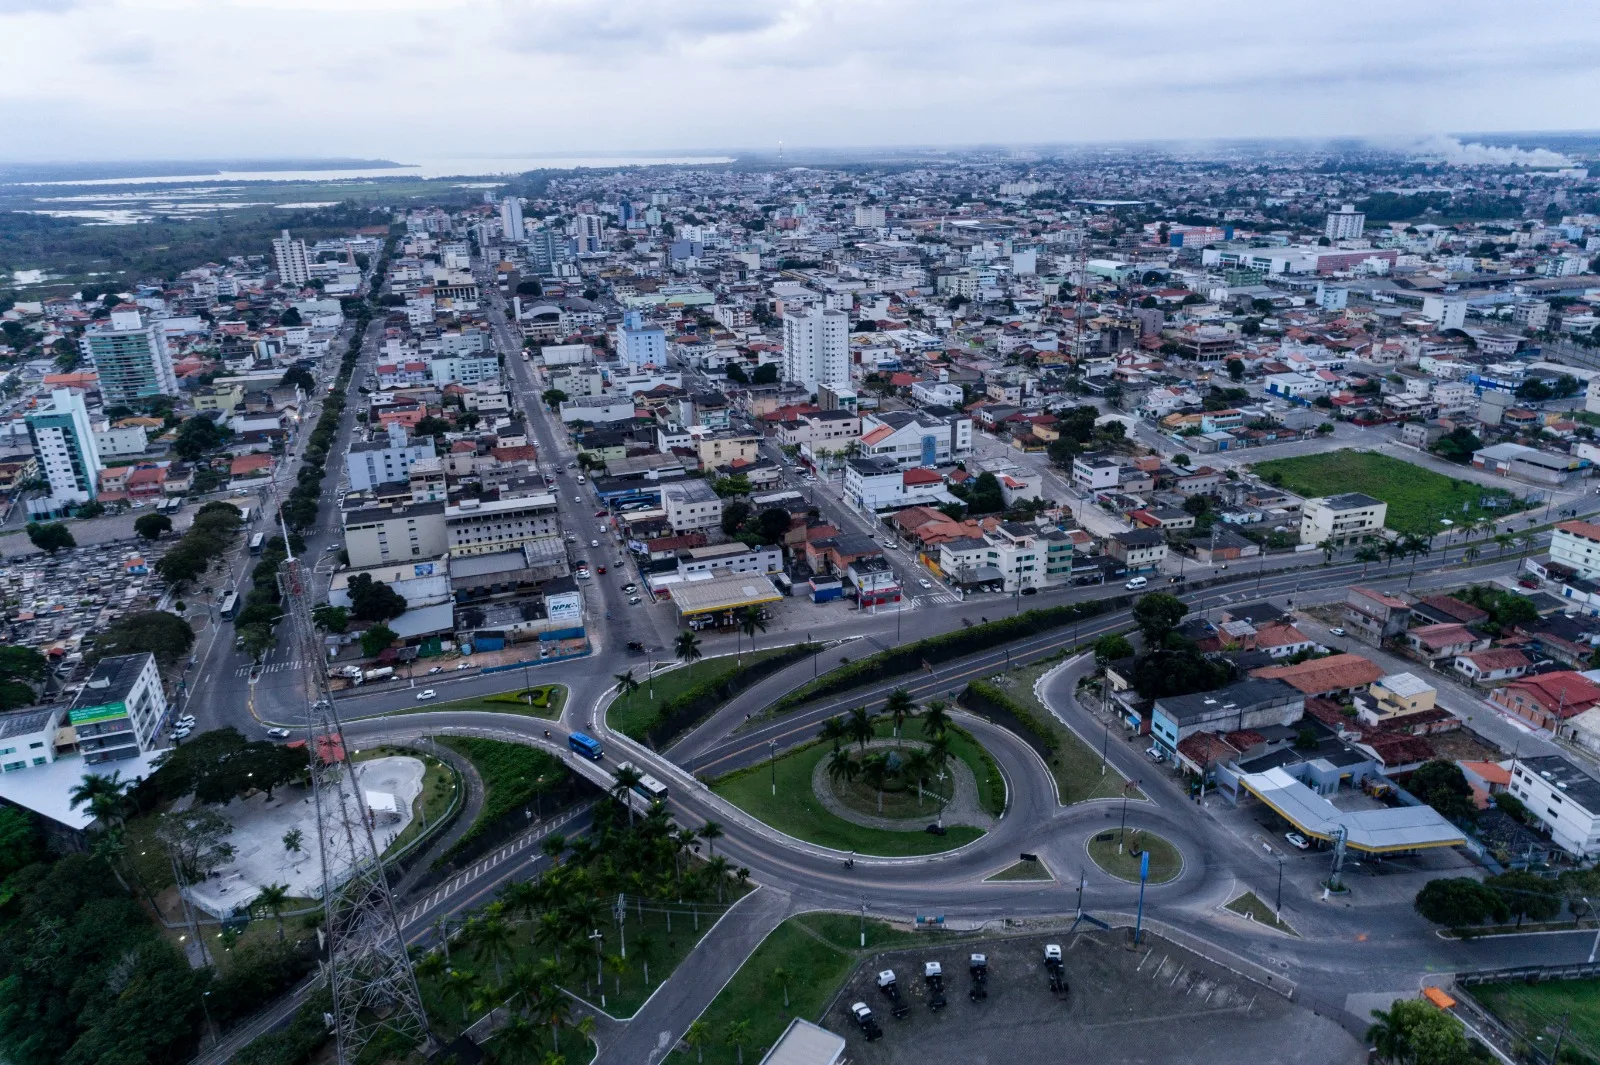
point(1251, 908)
point(542, 701)
point(1118, 853)
point(1022, 872)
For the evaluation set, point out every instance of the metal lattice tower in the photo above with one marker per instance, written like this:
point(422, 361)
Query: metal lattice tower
point(374, 988)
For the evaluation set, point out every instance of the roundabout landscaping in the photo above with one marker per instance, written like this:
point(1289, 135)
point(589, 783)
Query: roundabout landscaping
point(1166, 863)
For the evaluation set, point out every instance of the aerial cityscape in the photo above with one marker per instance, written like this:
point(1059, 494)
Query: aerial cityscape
point(927, 589)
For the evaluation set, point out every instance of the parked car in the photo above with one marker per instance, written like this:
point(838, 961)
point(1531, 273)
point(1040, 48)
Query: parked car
point(634, 600)
point(1297, 841)
point(1030, 590)
point(925, 582)
point(425, 694)
point(599, 513)
point(577, 499)
point(1335, 631)
point(630, 587)
point(435, 669)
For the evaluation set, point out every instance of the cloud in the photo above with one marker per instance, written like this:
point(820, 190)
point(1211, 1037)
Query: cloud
point(130, 53)
point(1451, 150)
point(49, 7)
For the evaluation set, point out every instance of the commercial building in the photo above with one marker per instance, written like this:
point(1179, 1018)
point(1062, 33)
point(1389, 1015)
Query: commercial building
point(1351, 518)
point(1138, 549)
point(375, 535)
point(1576, 544)
point(691, 506)
point(130, 356)
point(294, 265)
point(916, 438)
point(480, 526)
point(640, 345)
point(120, 710)
point(597, 409)
point(28, 737)
point(816, 347)
point(1247, 704)
point(64, 445)
point(1400, 830)
point(713, 603)
point(370, 463)
point(1564, 799)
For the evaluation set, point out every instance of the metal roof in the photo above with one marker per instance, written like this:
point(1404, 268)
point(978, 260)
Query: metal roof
point(723, 593)
point(1403, 828)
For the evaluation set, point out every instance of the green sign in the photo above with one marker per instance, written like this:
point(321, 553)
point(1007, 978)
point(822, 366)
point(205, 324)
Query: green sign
point(87, 715)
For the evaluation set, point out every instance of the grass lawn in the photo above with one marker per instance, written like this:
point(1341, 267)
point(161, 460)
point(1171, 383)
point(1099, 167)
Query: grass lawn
point(1417, 497)
point(903, 802)
point(797, 811)
point(439, 787)
point(635, 712)
point(1165, 861)
point(546, 702)
point(1075, 765)
point(1251, 906)
point(1537, 1009)
point(513, 776)
point(1022, 871)
point(818, 951)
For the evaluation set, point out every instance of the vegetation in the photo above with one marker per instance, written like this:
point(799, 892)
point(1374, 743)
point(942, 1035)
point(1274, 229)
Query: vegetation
point(1250, 905)
point(213, 531)
point(544, 701)
point(1414, 1032)
point(1506, 609)
point(21, 670)
point(662, 707)
point(1538, 1009)
point(514, 776)
point(167, 636)
point(1441, 784)
point(152, 526)
point(1119, 855)
point(1417, 497)
point(51, 537)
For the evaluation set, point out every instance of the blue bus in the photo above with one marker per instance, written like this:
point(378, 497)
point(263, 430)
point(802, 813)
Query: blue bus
point(586, 745)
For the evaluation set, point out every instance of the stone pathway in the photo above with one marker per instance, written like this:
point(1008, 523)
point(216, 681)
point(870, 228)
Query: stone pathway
point(963, 808)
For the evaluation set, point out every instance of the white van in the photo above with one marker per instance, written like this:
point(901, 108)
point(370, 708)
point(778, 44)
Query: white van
point(1137, 582)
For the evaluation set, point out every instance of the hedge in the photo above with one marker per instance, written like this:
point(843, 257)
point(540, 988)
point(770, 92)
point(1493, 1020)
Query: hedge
point(686, 710)
point(945, 647)
point(1024, 720)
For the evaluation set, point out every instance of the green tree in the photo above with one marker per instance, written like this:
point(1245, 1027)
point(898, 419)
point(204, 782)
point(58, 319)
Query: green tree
point(1157, 614)
point(1111, 647)
point(293, 840)
point(1441, 785)
point(1527, 894)
point(553, 397)
point(377, 639)
point(273, 898)
point(198, 435)
point(1235, 368)
point(372, 600)
point(197, 839)
point(737, 1034)
point(698, 1035)
point(751, 622)
point(152, 526)
point(687, 649)
point(51, 537)
point(1413, 1032)
point(20, 842)
point(330, 618)
point(1459, 902)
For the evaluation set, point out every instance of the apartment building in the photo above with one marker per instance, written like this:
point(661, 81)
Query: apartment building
point(1576, 544)
point(916, 438)
point(479, 526)
point(370, 463)
point(64, 444)
point(28, 737)
point(1350, 518)
point(120, 710)
point(130, 356)
point(691, 506)
point(1564, 799)
point(377, 535)
point(816, 347)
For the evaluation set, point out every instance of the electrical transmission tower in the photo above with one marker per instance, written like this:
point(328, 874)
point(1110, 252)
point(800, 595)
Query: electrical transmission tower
point(374, 988)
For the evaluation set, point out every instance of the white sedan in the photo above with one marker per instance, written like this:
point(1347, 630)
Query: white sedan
point(425, 694)
point(925, 582)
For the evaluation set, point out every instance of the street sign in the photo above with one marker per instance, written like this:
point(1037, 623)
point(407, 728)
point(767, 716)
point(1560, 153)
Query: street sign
point(1144, 867)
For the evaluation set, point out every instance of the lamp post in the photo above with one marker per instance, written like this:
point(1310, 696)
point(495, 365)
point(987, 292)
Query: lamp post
point(772, 759)
point(205, 1009)
point(599, 970)
point(1122, 833)
point(1278, 909)
point(1105, 743)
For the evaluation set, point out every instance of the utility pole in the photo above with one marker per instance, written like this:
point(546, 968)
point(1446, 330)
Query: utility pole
point(1278, 909)
point(772, 748)
point(863, 922)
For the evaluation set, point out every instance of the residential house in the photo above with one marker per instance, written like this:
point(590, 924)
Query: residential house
point(1375, 616)
point(1398, 695)
point(1485, 667)
point(1138, 549)
point(1434, 643)
point(1328, 678)
point(1350, 518)
point(1548, 700)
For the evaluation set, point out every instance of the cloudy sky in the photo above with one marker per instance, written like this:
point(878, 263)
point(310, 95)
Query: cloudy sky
point(412, 79)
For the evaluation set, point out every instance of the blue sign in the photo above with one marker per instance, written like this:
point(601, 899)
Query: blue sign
point(1144, 867)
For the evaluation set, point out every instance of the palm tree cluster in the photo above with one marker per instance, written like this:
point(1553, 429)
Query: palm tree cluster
point(882, 769)
point(538, 936)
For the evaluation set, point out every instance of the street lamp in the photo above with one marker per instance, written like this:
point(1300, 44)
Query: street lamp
point(599, 972)
point(1278, 909)
point(772, 749)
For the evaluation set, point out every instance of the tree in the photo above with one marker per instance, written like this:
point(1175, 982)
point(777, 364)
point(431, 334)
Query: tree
point(105, 796)
point(859, 725)
point(1112, 647)
point(772, 524)
point(751, 622)
point(431, 426)
point(698, 1035)
point(1181, 460)
point(841, 766)
point(1235, 368)
point(711, 831)
point(293, 840)
point(737, 1033)
point(1527, 894)
point(899, 706)
point(626, 684)
point(21, 669)
point(687, 649)
point(273, 898)
point(1460, 901)
point(781, 977)
point(330, 618)
point(1414, 1032)
point(377, 639)
point(734, 515)
point(372, 600)
point(1157, 614)
point(936, 719)
point(20, 842)
point(164, 635)
point(1367, 554)
point(766, 374)
point(152, 526)
point(833, 731)
point(875, 772)
point(197, 839)
point(1441, 785)
point(300, 377)
point(1458, 445)
point(553, 397)
point(198, 435)
point(51, 537)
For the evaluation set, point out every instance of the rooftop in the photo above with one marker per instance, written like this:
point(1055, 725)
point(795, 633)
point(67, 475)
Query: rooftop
point(1401, 828)
point(1567, 778)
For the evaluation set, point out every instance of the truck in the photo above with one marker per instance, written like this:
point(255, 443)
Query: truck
point(381, 673)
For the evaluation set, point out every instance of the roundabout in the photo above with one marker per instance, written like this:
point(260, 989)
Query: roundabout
point(1119, 854)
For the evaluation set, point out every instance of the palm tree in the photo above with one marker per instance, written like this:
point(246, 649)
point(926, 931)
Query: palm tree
point(1504, 540)
point(645, 947)
point(586, 1026)
point(860, 726)
point(687, 649)
point(918, 767)
point(273, 897)
point(491, 938)
point(1328, 550)
point(516, 1040)
point(875, 772)
point(781, 977)
point(554, 1058)
point(711, 832)
point(554, 1010)
point(1470, 554)
point(527, 984)
point(461, 985)
point(626, 685)
point(935, 720)
point(834, 731)
point(552, 930)
point(899, 706)
point(430, 966)
point(523, 896)
point(1393, 550)
point(1366, 555)
point(616, 965)
point(1388, 1037)
point(293, 839)
point(750, 623)
point(737, 1035)
point(554, 846)
point(717, 869)
point(626, 779)
point(698, 1035)
point(106, 797)
point(683, 840)
point(840, 764)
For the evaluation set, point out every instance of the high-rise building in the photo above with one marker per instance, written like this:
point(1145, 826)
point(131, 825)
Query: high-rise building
point(869, 217)
point(1345, 224)
point(120, 710)
point(639, 344)
point(511, 218)
point(63, 443)
point(130, 355)
point(588, 228)
point(294, 265)
point(816, 347)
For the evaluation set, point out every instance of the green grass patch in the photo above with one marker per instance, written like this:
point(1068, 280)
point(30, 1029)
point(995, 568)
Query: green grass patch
point(1250, 905)
point(676, 700)
point(545, 700)
point(1417, 497)
point(649, 939)
point(439, 790)
point(818, 951)
point(513, 775)
point(797, 811)
point(1022, 871)
point(1073, 763)
point(1165, 861)
point(1538, 1009)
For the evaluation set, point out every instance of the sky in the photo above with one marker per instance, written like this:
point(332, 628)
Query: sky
point(429, 79)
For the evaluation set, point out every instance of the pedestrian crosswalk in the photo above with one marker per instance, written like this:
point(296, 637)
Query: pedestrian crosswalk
point(271, 667)
point(932, 599)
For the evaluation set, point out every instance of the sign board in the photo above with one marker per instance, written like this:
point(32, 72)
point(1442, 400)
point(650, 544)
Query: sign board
point(1144, 867)
point(564, 607)
point(85, 715)
point(423, 569)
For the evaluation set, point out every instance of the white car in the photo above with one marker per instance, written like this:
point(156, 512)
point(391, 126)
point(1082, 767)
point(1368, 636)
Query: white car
point(577, 499)
point(925, 582)
point(594, 543)
point(1137, 582)
point(278, 733)
point(178, 733)
point(1336, 631)
point(1297, 841)
point(435, 669)
point(425, 694)
point(464, 665)
point(634, 600)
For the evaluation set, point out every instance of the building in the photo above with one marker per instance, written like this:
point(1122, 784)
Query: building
point(1375, 616)
point(479, 526)
point(1096, 471)
point(1351, 518)
point(121, 709)
point(597, 409)
point(720, 560)
point(1395, 696)
point(916, 438)
point(376, 535)
point(1576, 544)
point(1564, 799)
point(1434, 643)
point(1333, 677)
point(1548, 700)
point(1484, 667)
point(804, 1043)
point(28, 737)
point(869, 218)
point(1246, 704)
point(64, 446)
point(640, 345)
point(370, 463)
point(691, 506)
point(1345, 224)
point(130, 356)
point(464, 369)
point(816, 347)
point(294, 265)
point(1138, 549)
point(511, 218)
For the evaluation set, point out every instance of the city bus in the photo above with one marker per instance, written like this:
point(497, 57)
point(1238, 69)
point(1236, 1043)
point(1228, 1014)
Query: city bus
point(256, 543)
point(244, 515)
point(648, 788)
point(230, 606)
point(586, 745)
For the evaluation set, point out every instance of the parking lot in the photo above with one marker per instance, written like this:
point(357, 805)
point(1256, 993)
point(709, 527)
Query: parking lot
point(1154, 1004)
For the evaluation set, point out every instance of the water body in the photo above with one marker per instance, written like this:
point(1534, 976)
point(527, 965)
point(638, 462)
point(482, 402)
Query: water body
point(440, 168)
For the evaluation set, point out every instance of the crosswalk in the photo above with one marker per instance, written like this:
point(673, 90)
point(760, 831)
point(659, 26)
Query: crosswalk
point(271, 667)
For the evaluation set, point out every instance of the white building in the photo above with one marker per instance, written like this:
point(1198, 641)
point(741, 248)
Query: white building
point(130, 356)
point(640, 345)
point(1449, 313)
point(1351, 518)
point(691, 506)
point(916, 438)
point(121, 709)
point(1345, 224)
point(869, 217)
point(294, 265)
point(937, 394)
point(1577, 544)
point(1564, 799)
point(816, 348)
point(64, 444)
point(464, 370)
point(597, 409)
point(371, 463)
point(28, 737)
point(511, 218)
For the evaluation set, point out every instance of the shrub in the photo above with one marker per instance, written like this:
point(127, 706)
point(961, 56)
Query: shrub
point(693, 705)
point(1024, 720)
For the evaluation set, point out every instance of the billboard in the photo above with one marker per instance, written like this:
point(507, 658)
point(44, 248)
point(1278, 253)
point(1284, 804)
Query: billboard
point(565, 606)
point(88, 715)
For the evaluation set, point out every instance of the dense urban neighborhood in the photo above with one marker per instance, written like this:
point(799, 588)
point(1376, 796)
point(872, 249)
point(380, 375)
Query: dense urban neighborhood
point(676, 612)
